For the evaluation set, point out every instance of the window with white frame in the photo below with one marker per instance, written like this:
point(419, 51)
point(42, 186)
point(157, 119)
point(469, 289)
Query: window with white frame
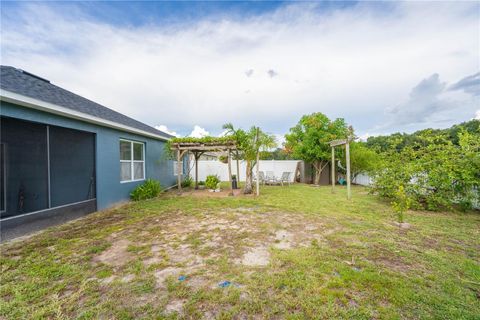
point(132, 161)
point(175, 168)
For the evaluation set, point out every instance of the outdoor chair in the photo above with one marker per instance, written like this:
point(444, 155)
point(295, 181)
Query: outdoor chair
point(270, 178)
point(285, 178)
point(261, 177)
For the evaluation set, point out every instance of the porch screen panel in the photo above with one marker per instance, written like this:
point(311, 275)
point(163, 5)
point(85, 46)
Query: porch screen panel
point(24, 160)
point(72, 166)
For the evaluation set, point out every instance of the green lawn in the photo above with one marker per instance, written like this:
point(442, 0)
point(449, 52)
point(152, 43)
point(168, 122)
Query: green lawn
point(296, 252)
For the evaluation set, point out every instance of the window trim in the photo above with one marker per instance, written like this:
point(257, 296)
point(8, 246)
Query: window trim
point(132, 161)
point(175, 172)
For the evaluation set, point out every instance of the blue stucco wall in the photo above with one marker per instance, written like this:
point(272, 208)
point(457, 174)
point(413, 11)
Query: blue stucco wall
point(109, 189)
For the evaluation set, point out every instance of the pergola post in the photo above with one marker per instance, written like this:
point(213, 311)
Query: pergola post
point(229, 156)
point(179, 171)
point(340, 142)
point(257, 173)
point(347, 156)
point(196, 156)
point(333, 169)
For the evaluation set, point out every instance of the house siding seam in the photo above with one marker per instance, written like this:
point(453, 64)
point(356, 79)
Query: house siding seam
point(107, 156)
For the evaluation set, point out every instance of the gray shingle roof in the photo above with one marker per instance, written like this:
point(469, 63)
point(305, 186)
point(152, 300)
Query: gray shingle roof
point(27, 84)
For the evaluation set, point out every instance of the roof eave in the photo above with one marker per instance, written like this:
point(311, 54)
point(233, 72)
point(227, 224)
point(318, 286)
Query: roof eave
point(36, 104)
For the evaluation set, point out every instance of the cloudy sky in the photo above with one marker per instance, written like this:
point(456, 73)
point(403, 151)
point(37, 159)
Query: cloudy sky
point(184, 67)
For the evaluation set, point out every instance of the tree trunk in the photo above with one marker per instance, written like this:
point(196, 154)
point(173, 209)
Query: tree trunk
point(238, 170)
point(248, 180)
point(318, 172)
point(319, 165)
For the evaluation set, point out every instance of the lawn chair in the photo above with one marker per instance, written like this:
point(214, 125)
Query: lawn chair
point(285, 178)
point(270, 178)
point(261, 177)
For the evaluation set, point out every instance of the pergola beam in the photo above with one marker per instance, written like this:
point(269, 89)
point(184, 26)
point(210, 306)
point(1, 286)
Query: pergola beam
point(205, 148)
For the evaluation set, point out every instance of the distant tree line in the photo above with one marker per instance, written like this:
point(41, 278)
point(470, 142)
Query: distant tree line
point(401, 140)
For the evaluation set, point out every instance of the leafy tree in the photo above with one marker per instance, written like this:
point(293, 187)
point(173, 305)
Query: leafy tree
point(309, 140)
point(362, 159)
point(250, 143)
point(436, 173)
point(277, 154)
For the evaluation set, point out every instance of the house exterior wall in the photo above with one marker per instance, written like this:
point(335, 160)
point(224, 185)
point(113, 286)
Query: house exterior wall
point(109, 189)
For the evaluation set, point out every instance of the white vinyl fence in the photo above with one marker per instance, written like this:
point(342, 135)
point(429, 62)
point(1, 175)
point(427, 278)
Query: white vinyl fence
point(362, 179)
point(208, 167)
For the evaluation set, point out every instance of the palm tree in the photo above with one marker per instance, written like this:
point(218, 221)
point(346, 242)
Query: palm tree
point(250, 143)
point(230, 130)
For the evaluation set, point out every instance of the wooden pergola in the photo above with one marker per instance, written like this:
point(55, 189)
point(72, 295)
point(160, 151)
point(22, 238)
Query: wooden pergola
point(197, 149)
point(333, 144)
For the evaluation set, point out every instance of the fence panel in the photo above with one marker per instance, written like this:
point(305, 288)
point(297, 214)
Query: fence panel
point(208, 167)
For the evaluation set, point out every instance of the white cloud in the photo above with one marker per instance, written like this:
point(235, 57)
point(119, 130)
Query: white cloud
point(350, 63)
point(165, 129)
point(223, 133)
point(364, 137)
point(477, 115)
point(279, 139)
point(199, 132)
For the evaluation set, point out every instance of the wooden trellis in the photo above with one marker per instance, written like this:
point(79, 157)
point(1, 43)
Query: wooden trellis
point(199, 148)
point(333, 144)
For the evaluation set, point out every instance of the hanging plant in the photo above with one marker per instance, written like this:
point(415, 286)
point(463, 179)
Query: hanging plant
point(223, 159)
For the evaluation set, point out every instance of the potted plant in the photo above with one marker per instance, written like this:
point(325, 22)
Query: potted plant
point(211, 182)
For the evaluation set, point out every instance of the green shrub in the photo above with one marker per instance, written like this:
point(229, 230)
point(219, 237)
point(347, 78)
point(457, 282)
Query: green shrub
point(187, 182)
point(201, 183)
point(212, 181)
point(149, 189)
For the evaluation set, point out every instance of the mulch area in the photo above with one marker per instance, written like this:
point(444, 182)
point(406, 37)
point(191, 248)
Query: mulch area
point(224, 193)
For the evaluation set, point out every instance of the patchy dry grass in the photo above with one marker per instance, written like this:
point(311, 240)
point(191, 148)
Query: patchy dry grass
point(297, 252)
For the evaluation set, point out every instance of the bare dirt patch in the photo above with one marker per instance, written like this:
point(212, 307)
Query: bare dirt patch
point(198, 248)
point(283, 239)
point(224, 193)
point(128, 278)
point(162, 275)
point(117, 255)
point(175, 306)
point(197, 282)
point(393, 263)
point(402, 225)
point(242, 234)
point(108, 280)
point(258, 256)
